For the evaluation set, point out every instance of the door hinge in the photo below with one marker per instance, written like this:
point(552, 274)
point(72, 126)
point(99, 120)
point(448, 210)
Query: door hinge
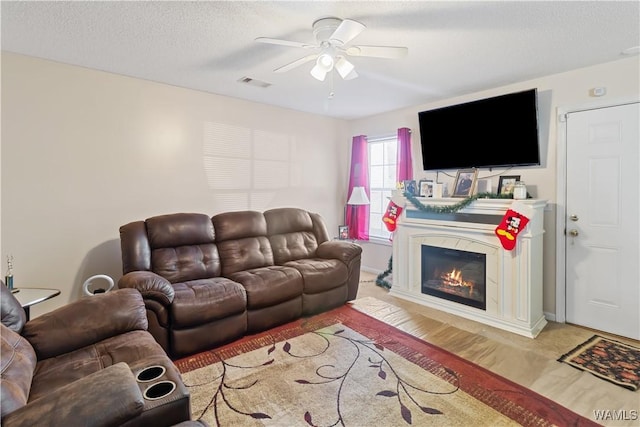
point(562, 117)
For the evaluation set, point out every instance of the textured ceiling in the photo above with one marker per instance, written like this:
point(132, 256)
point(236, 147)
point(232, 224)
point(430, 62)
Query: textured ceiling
point(454, 47)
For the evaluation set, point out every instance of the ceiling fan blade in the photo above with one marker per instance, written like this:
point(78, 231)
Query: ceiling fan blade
point(346, 31)
point(378, 51)
point(284, 42)
point(296, 63)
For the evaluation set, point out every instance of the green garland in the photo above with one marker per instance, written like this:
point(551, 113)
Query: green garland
point(380, 280)
point(456, 207)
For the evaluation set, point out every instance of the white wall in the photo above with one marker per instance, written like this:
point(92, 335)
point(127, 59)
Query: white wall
point(621, 80)
point(84, 152)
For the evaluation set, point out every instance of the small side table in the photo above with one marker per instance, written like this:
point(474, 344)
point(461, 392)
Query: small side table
point(32, 296)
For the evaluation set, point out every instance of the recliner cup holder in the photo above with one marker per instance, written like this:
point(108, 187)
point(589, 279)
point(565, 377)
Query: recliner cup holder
point(159, 390)
point(150, 373)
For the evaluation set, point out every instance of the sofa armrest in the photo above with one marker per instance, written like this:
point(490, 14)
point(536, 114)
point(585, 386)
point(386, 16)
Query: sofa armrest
point(351, 255)
point(339, 249)
point(108, 397)
point(85, 322)
point(150, 285)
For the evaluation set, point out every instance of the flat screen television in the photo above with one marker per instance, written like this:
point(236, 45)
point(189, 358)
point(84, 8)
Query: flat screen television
point(501, 131)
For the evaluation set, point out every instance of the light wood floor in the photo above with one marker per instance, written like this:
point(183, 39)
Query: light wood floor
point(529, 362)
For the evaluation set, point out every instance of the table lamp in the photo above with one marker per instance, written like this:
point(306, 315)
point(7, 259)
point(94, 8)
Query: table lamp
point(358, 197)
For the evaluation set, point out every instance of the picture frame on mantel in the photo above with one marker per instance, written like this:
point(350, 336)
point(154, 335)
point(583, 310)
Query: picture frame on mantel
point(465, 182)
point(425, 188)
point(506, 183)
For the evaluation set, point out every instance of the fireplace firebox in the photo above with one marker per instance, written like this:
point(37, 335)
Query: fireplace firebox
point(454, 275)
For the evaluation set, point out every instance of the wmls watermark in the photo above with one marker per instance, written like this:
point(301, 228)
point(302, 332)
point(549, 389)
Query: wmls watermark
point(616, 414)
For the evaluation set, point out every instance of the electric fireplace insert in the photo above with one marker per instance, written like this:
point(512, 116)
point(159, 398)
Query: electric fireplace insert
point(454, 275)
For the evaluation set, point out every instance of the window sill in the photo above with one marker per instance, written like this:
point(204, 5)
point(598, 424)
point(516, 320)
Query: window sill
point(379, 241)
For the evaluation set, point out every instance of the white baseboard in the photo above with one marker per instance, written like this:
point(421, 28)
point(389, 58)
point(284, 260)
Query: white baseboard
point(370, 270)
point(550, 316)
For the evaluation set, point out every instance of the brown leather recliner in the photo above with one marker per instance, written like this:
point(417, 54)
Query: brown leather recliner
point(80, 365)
point(208, 280)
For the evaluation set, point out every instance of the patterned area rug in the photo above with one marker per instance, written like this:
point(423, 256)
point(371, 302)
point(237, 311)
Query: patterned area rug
point(610, 360)
point(346, 368)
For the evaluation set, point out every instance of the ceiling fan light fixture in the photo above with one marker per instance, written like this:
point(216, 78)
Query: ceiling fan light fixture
point(345, 68)
point(318, 73)
point(325, 61)
point(324, 64)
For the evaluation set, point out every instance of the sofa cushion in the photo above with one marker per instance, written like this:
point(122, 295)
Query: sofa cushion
point(287, 220)
point(184, 263)
point(321, 275)
point(203, 301)
point(182, 247)
point(108, 397)
point(291, 234)
point(103, 316)
point(180, 229)
point(244, 254)
point(238, 225)
point(55, 372)
point(16, 368)
point(242, 241)
point(269, 286)
point(13, 315)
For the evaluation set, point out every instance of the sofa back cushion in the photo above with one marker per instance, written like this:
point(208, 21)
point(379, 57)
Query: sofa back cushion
point(242, 241)
point(292, 234)
point(17, 365)
point(183, 247)
point(12, 313)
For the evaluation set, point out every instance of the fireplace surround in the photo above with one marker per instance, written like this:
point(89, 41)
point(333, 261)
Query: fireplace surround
point(511, 281)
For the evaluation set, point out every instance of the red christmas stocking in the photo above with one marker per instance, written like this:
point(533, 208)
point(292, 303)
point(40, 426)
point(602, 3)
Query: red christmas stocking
point(513, 222)
point(390, 217)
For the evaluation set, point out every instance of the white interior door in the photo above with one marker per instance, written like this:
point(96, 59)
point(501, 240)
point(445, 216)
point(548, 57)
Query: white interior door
point(602, 219)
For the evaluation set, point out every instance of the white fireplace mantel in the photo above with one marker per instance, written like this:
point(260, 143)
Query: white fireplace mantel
point(513, 278)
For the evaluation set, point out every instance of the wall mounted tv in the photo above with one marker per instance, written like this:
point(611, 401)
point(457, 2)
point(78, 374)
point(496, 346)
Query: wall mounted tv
point(501, 131)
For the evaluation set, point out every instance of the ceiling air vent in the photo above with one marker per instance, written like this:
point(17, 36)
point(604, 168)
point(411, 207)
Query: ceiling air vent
point(254, 82)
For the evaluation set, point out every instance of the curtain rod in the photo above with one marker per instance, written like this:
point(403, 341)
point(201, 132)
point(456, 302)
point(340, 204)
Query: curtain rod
point(383, 137)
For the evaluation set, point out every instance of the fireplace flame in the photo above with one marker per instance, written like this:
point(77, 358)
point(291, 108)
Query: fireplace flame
point(454, 278)
point(455, 275)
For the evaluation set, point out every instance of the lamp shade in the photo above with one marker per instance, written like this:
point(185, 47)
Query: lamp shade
point(358, 197)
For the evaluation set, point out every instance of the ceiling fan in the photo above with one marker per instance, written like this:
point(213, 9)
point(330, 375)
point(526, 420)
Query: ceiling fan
point(332, 36)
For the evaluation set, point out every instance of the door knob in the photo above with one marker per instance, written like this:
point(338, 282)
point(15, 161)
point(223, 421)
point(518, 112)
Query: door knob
point(573, 217)
point(573, 233)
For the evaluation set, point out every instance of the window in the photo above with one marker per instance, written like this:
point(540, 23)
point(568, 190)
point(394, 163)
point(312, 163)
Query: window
point(247, 168)
point(382, 177)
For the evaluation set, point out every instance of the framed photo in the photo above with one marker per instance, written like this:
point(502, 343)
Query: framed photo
point(465, 182)
point(506, 183)
point(343, 232)
point(410, 187)
point(425, 187)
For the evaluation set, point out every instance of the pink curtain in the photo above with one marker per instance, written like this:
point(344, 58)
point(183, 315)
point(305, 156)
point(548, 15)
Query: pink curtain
point(357, 217)
point(405, 163)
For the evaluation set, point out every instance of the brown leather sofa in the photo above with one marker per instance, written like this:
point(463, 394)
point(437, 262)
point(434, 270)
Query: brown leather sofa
point(89, 363)
point(208, 280)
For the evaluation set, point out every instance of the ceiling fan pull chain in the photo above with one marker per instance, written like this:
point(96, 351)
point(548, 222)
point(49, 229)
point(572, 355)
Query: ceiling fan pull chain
point(331, 92)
